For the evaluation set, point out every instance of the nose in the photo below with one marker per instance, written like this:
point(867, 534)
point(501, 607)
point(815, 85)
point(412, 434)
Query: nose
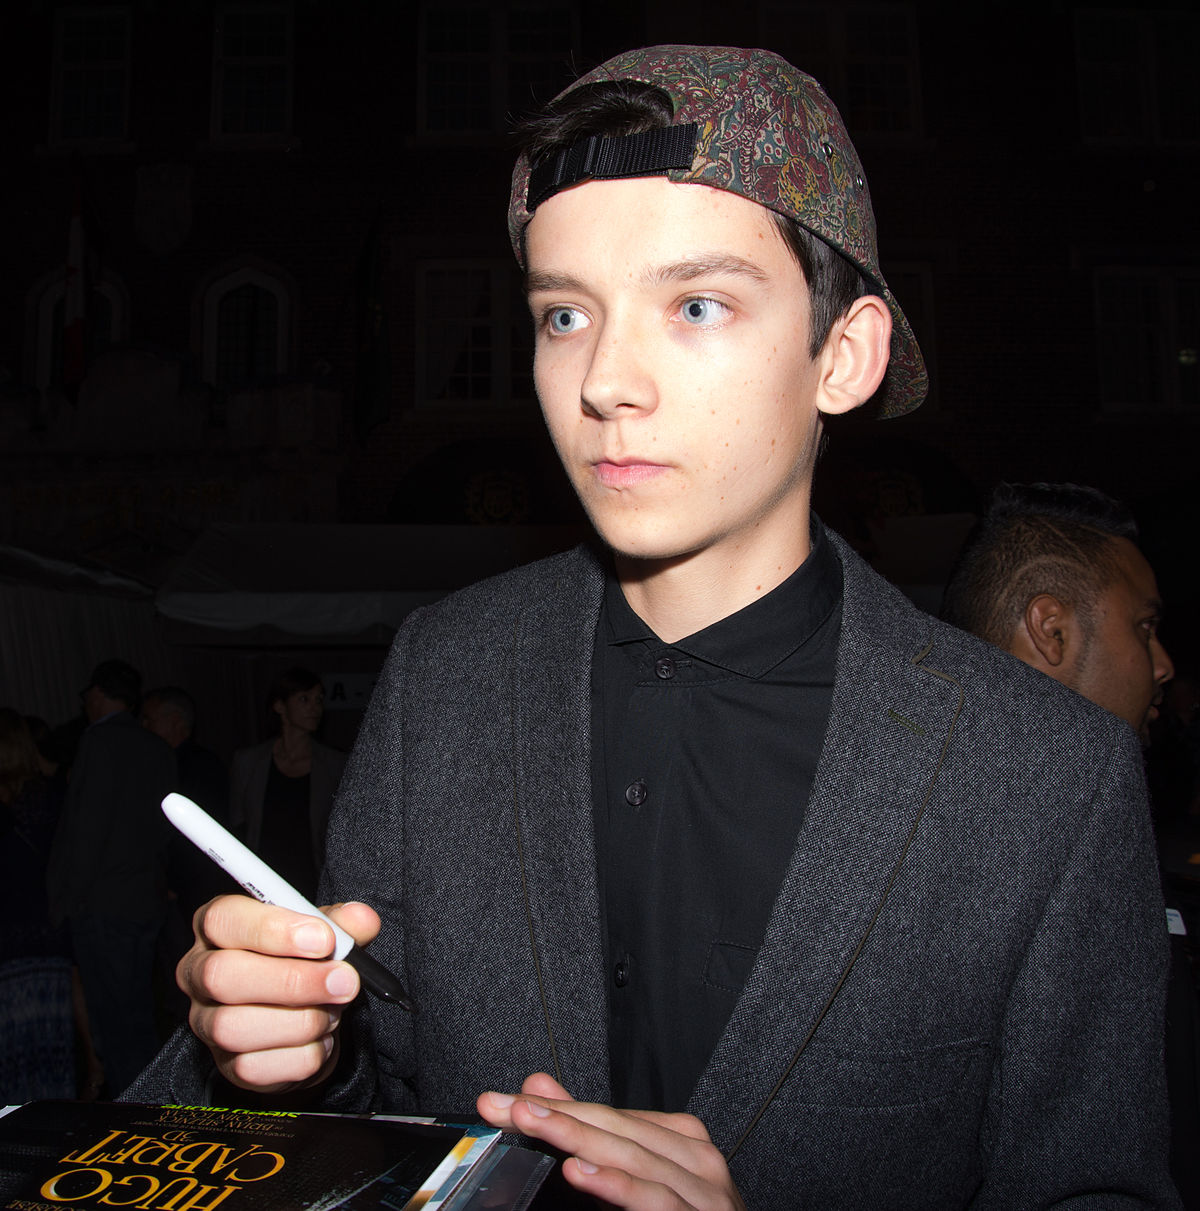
point(617, 380)
point(1164, 668)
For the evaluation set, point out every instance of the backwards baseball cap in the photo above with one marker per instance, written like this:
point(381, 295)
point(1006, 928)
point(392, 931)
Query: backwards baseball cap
point(749, 122)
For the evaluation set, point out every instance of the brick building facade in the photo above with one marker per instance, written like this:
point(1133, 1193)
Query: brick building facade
point(299, 303)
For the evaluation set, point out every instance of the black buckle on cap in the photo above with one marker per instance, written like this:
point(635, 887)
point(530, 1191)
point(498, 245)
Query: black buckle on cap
point(612, 157)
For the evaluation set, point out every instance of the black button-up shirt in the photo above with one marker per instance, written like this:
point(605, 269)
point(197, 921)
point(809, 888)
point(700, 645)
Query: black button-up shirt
point(704, 752)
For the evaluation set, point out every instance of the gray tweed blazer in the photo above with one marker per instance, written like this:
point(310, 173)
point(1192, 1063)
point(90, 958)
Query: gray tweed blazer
point(958, 1001)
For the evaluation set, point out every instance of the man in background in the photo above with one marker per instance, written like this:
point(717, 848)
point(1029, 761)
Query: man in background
point(107, 872)
point(170, 713)
point(192, 877)
point(1053, 575)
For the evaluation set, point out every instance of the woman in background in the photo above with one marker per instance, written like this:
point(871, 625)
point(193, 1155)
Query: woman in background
point(281, 791)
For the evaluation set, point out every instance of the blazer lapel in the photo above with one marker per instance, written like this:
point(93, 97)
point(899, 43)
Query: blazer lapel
point(890, 720)
point(552, 657)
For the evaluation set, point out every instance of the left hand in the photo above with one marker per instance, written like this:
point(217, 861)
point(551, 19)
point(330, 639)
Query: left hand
point(627, 1158)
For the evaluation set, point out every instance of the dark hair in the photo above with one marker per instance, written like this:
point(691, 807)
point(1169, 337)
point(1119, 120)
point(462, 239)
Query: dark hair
point(1035, 538)
point(629, 107)
point(175, 699)
point(291, 681)
point(18, 756)
point(118, 680)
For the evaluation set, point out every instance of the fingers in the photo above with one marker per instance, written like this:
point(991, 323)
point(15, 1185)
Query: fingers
point(627, 1158)
point(242, 923)
point(268, 1049)
point(265, 993)
point(542, 1084)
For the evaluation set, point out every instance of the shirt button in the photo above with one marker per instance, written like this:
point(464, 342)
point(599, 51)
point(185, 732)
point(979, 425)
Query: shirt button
point(664, 668)
point(635, 794)
point(621, 973)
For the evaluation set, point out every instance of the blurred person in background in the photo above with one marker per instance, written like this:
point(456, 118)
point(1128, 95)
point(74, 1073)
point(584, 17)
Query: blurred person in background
point(192, 877)
point(37, 1051)
point(281, 791)
point(107, 872)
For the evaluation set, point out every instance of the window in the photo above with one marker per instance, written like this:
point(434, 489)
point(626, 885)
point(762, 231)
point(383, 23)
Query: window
point(247, 317)
point(482, 64)
point(1148, 330)
point(1137, 76)
point(252, 72)
point(474, 340)
point(865, 56)
point(90, 94)
point(104, 324)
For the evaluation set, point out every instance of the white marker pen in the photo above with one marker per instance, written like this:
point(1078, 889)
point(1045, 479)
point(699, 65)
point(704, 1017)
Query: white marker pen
point(264, 884)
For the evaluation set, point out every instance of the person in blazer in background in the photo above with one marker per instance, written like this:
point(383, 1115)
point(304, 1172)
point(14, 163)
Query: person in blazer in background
point(281, 791)
point(107, 871)
point(710, 861)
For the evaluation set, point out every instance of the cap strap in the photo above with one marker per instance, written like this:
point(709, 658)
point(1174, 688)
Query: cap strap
point(610, 157)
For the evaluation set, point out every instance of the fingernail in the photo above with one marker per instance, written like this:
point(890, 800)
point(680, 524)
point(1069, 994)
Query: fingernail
point(538, 1110)
point(502, 1101)
point(327, 1043)
point(341, 982)
point(585, 1166)
point(311, 938)
point(335, 1016)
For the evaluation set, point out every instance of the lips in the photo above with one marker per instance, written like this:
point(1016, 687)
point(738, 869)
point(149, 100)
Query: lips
point(626, 472)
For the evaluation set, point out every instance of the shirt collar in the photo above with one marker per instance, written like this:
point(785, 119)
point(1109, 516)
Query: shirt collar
point(754, 640)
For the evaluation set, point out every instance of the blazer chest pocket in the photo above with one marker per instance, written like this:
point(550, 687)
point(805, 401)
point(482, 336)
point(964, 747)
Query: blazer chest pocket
point(874, 1080)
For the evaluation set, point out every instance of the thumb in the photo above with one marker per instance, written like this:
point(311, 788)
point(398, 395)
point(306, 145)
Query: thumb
point(360, 921)
point(542, 1084)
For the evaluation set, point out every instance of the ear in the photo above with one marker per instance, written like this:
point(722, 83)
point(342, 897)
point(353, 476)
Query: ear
point(1048, 636)
point(855, 355)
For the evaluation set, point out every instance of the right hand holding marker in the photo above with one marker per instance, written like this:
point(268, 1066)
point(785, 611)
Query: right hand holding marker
point(266, 998)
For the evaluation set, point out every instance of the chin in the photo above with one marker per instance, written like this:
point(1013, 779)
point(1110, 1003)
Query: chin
point(637, 542)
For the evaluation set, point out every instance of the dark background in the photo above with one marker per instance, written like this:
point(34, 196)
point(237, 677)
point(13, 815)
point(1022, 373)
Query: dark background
point(301, 307)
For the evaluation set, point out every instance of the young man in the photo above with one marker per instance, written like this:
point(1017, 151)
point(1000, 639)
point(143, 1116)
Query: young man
point(716, 821)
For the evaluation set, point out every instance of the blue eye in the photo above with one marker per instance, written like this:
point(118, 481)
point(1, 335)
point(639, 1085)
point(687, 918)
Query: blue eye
point(563, 320)
point(702, 311)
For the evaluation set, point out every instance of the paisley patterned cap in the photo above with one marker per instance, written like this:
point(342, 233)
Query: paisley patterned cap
point(762, 129)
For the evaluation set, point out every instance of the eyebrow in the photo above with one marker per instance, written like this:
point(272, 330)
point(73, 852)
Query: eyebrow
point(686, 270)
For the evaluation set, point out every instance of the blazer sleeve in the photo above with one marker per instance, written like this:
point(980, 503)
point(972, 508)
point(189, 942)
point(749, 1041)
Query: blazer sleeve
point(364, 846)
point(327, 767)
point(1077, 1109)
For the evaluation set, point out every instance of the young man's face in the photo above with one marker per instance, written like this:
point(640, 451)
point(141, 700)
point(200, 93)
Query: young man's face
point(1125, 665)
point(672, 329)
